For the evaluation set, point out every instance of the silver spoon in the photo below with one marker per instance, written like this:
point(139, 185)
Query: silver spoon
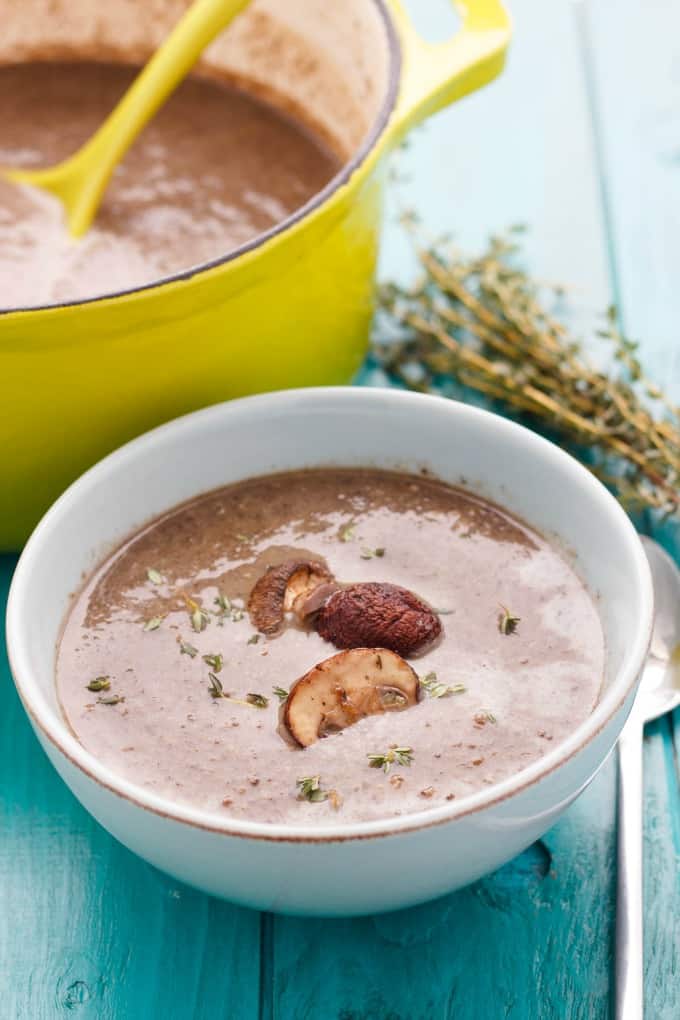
point(659, 693)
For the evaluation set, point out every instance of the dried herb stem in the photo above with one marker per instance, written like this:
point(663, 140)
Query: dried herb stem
point(485, 323)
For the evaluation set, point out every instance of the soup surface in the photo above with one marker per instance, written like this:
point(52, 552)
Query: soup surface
point(161, 633)
point(214, 169)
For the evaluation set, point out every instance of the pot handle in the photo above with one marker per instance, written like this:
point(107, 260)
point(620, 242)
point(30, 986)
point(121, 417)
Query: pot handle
point(436, 74)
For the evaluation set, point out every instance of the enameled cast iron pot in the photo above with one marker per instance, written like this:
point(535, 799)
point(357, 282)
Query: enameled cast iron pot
point(292, 307)
point(349, 868)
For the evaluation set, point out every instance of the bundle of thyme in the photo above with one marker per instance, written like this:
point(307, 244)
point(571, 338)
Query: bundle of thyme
point(484, 323)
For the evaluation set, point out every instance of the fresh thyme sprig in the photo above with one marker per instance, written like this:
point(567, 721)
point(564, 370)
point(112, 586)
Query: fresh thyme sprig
point(435, 689)
point(281, 693)
point(483, 322)
point(395, 756)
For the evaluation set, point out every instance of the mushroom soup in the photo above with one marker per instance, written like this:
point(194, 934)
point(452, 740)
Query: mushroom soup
point(214, 169)
point(329, 644)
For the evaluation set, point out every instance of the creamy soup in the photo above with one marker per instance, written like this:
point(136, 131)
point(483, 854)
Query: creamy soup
point(214, 169)
point(458, 646)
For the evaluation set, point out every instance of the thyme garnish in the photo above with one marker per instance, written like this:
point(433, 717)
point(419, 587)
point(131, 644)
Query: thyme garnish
point(309, 788)
point(216, 689)
point(484, 717)
point(154, 623)
point(198, 616)
point(435, 689)
point(253, 639)
point(111, 699)
point(199, 619)
point(483, 323)
point(368, 554)
point(186, 649)
point(100, 683)
point(216, 661)
point(155, 576)
point(226, 610)
point(395, 756)
point(346, 531)
point(507, 623)
point(281, 693)
point(251, 700)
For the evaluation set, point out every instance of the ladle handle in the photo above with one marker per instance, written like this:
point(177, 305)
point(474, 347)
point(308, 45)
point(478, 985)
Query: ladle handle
point(89, 170)
point(629, 931)
point(436, 74)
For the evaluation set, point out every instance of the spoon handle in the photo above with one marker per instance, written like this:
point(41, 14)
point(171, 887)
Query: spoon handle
point(629, 943)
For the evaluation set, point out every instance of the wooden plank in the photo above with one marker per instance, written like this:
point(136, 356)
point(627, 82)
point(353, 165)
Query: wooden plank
point(85, 926)
point(633, 54)
point(633, 60)
point(519, 151)
point(532, 940)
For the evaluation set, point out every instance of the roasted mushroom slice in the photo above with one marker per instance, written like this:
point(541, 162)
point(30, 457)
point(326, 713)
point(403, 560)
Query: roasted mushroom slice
point(373, 613)
point(279, 587)
point(310, 602)
point(345, 688)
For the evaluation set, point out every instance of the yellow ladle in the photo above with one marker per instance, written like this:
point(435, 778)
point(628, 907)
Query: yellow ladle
point(80, 181)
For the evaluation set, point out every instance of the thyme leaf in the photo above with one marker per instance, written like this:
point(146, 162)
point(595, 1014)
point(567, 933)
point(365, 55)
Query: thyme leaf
point(186, 649)
point(100, 683)
point(216, 689)
point(394, 756)
point(111, 699)
point(281, 693)
point(435, 689)
point(507, 623)
point(258, 700)
point(309, 788)
point(253, 639)
point(368, 553)
point(226, 610)
point(154, 623)
point(216, 661)
point(346, 531)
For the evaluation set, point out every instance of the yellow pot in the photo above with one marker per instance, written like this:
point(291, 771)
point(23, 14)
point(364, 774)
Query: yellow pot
point(292, 308)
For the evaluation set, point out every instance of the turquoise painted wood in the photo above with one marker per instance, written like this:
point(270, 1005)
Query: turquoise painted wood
point(579, 140)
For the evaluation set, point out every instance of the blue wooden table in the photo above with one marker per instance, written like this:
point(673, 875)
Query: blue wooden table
point(581, 140)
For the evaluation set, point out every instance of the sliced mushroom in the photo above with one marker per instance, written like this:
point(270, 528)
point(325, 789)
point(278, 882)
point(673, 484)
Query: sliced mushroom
point(374, 613)
point(345, 688)
point(310, 602)
point(279, 587)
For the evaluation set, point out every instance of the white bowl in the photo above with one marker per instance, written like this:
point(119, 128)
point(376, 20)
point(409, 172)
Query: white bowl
point(359, 867)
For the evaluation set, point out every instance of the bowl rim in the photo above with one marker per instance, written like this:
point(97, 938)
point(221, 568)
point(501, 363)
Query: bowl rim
point(343, 175)
point(52, 728)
